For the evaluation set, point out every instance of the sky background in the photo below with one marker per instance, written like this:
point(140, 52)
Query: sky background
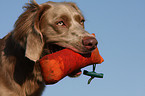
point(119, 26)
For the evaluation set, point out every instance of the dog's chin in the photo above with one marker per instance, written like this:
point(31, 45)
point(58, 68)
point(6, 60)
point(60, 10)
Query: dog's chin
point(52, 48)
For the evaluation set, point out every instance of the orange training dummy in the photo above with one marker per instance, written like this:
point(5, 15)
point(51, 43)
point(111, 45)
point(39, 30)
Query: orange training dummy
point(62, 63)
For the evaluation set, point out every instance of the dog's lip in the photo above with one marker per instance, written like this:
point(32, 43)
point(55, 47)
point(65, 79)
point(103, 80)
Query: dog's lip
point(74, 49)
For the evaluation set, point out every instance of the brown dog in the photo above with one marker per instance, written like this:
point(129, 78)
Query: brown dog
point(40, 30)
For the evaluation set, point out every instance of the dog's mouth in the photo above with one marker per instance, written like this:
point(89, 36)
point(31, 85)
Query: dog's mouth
point(52, 48)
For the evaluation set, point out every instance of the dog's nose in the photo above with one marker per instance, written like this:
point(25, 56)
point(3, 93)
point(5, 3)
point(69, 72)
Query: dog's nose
point(90, 43)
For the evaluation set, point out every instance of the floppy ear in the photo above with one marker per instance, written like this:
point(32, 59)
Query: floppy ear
point(34, 46)
point(27, 32)
point(35, 43)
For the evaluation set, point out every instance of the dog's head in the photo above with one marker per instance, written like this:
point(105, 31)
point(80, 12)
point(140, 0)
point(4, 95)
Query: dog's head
point(49, 27)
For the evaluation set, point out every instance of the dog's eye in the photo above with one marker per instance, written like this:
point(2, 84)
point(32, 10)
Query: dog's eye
point(82, 22)
point(60, 23)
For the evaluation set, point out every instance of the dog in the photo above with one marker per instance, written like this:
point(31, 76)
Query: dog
point(41, 30)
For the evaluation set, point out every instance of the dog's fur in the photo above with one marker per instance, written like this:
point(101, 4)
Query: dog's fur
point(37, 32)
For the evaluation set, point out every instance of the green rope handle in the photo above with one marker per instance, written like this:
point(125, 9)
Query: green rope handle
point(93, 74)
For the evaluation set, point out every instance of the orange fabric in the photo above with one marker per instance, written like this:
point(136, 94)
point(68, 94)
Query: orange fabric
point(58, 65)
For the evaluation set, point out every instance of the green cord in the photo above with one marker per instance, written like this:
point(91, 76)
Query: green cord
point(93, 74)
point(92, 77)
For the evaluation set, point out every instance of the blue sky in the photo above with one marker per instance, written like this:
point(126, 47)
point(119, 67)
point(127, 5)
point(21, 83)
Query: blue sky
point(119, 26)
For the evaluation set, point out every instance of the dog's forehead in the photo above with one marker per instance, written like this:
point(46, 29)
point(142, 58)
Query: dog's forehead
point(63, 7)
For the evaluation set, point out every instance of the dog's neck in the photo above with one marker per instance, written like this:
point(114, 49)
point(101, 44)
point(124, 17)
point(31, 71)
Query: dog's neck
point(22, 70)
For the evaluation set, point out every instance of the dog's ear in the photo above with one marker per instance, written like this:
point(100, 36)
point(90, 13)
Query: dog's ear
point(35, 43)
point(27, 30)
point(34, 46)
